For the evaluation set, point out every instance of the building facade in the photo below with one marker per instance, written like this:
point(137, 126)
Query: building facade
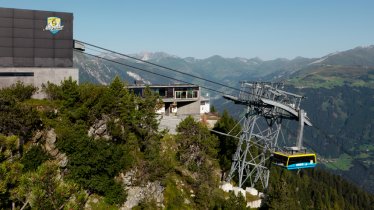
point(178, 99)
point(36, 47)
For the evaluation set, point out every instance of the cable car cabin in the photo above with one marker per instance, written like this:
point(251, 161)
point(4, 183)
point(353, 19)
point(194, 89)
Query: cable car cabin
point(294, 161)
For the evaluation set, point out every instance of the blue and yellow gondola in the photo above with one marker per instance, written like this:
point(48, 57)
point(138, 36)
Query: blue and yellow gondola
point(294, 161)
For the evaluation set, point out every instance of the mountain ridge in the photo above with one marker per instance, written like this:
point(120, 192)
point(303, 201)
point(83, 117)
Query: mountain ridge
point(218, 68)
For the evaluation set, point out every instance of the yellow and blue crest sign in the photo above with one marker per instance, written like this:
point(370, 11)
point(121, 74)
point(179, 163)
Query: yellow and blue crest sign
point(53, 25)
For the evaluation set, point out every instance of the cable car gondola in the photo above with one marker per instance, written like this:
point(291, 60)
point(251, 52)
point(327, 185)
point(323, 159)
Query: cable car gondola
point(294, 161)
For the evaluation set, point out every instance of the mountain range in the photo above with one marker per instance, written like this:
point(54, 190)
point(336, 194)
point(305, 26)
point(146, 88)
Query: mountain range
point(339, 89)
point(355, 62)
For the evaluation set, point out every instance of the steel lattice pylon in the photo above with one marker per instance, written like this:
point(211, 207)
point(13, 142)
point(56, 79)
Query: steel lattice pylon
point(267, 105)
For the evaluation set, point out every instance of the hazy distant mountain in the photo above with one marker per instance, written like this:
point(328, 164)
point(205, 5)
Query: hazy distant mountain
point(353, 67)
point(359, 56)
point(217, 68)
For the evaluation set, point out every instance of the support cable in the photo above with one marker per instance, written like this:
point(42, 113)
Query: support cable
point(225, 134)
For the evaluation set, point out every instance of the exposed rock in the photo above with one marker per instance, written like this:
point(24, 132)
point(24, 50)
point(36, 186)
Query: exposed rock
point(50, 147)
point(52, 151)
point(128, 179)
point(136, 194)
point(51, 137)
point(37, 137)
point(154, 191)
point(102, 122)
point(99, 129)
point(91, 132)
point(62, 159)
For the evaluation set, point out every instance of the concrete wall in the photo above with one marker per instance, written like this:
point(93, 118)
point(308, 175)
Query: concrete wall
point(205, 107)
point(188, 108)
point(41, 76)
point(161, 110)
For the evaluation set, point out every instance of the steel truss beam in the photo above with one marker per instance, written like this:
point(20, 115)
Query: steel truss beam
point(267, 106)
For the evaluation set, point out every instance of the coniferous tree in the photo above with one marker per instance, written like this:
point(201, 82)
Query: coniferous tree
point(227, 144)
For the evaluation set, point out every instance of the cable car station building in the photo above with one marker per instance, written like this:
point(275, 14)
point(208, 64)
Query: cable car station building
point(36, 47)
point(179, 99)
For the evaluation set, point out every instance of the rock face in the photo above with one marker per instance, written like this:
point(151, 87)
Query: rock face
point(49, 145)
point(136, 194)
point(37, 136)
point(99, 129)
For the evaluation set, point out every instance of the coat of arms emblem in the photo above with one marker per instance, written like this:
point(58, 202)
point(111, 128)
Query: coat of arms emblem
point(54, 25)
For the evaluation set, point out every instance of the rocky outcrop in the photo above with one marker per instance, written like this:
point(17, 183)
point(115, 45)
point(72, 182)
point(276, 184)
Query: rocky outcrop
point(137, 194)
point(38, 136)
point(48, 139)
point(51, 148)
point(100, 129)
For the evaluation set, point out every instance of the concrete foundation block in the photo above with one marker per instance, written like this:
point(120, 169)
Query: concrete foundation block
point(227, 187)
point(238, 190)
point(251, 190)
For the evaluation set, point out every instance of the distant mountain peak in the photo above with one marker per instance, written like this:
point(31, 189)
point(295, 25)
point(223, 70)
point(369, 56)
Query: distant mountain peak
point(215, 57)
point(254, 61)
point(365, 47)
point(282, 59)
point(146, 56)
point(299, 58)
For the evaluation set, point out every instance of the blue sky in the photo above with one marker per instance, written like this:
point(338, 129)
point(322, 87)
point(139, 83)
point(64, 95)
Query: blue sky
point(239, 28)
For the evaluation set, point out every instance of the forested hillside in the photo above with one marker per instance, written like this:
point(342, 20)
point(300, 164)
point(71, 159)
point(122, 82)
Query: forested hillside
point(99, 147)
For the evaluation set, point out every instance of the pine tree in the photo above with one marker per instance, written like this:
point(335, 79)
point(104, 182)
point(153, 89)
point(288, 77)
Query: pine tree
point(227, 145)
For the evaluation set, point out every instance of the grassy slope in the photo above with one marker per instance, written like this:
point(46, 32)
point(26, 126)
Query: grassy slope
point(327, 76)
